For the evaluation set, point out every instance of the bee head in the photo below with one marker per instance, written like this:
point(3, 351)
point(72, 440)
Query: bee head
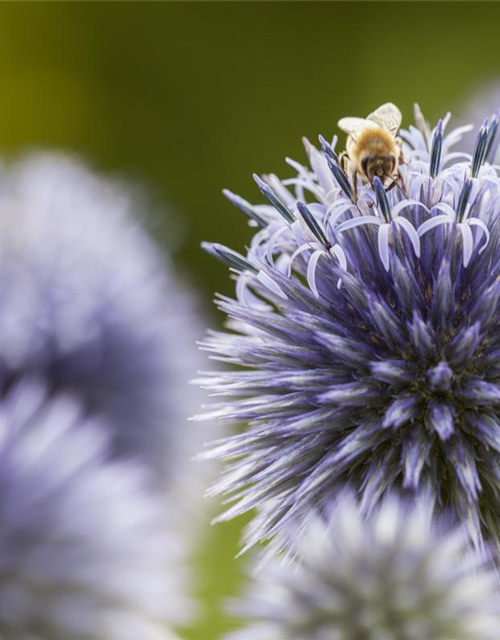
point(382, 166)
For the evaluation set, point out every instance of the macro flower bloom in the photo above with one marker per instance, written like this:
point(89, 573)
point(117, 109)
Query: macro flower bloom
point(364, 340)
point(85, 547)
point(394, 575)
point(89, 304)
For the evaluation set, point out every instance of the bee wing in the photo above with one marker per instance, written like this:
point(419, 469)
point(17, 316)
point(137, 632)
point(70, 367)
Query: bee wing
point(387, 116)
point(354, 126)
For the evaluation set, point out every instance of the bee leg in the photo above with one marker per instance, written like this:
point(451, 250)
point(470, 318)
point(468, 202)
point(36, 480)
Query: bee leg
point(352, 175)
point(402, 186)
point(401, 159)
point(354, 180)
point(397, 181)
point(343, 161)
point(392, 185)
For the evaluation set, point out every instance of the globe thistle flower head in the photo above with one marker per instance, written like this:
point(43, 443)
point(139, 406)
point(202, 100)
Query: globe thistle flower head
point(394, 575)
point(86, 550)
point(89, 304)
point(364, 341)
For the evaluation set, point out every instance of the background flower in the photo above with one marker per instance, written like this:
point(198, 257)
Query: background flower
point(85, 548)
point(89, 304)
point(394, 575)
point(366, 332)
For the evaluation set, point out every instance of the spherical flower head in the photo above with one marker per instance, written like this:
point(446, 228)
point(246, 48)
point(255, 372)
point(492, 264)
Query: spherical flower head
point(364, 342)
point(394, 575)
point(88, 303)
point(85, 546)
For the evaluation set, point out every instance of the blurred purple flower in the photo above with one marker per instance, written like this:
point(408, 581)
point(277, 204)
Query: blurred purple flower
point(394, 575)
point(368, 335)
point(84, 545)
point(89, 304)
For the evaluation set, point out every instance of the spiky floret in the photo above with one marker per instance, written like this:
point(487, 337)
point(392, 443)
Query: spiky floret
point(483, 100)
point(365, 340)
point(86, 550)
point(89, 304)
point(394, 575)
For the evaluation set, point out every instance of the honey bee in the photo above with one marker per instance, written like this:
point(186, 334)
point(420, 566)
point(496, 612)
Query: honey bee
point(373, 148)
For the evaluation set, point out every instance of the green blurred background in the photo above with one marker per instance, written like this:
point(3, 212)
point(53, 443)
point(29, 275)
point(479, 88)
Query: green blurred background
point(187, 98)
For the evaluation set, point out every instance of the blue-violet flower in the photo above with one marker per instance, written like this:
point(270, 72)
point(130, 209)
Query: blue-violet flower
point(89, 304)
point(391, 576)
point(86, 550)
point(364, 341)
